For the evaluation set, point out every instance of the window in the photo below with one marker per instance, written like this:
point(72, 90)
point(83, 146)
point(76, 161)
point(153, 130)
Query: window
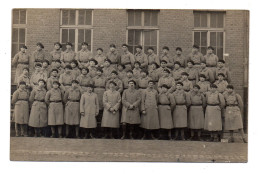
point(209, 30)
point(18, 30)
point(142, 29)
point(76, 27)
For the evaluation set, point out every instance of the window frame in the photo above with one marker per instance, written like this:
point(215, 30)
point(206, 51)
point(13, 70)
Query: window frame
point(19, 26)
point(76, 27)
point(208, 29)
point(142, 28)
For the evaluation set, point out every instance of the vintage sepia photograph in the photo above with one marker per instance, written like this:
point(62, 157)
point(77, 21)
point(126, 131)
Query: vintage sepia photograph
point(129, 85)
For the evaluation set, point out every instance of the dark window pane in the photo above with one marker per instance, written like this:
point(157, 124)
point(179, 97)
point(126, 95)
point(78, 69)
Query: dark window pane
point(88, 36)
point(131, 49)
point(147, 38)
point(197, 38)
point(213, 20)
point(220, 53)
point(15, 35)
point(203, 20)
point(72, 16)
point(22, 16)
point(130, 18)
point(220, 20)
point(21, 35)
point(138, 15)
point(130, 37)
point(220, 39)
point(154, 21)
point(81, 36)
point(65, 17)
point(15, 16)
point(155, 49)
point(147, 18)
point(81, 17)
point(213, 39)
point(203, 50)
point(15, 49)
point(88, 17)
point(203, 38)
point(72, 36)
point(145, 49)
point(137, 38)
point(196, 20)
point(154, 37)
point(64, 35)
point(63, 47)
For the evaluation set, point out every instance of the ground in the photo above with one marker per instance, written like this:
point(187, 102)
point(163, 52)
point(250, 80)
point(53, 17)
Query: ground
point(54, 149)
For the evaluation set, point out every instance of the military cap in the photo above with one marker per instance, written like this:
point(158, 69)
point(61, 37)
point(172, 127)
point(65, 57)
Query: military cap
point(150, 81)
point(195, 46)
point(164, 61)
point(25, 47)
point(191, 61)
point(100, 49)
point(129, 71)
point(157, 66)
point(150, 48)
point(56, 82)
point(221, 74)
point(96, 62)
point(123, 66)
point(166, 70)
point(177, 62)
point(69, 43)
point(230, 87)
point(84, 43)
point(223, 61)
point(184, 74)
point(40, 44)
point(112, 45)
point(26, 68)
point(22, 83)
point(68, 67)
point(124, 45)
point(42, 80)
point(58, 43)
point(202, 75)
point(108, 60)
point(38, 64)
point(47, 61)
point(57, 61)
point(178, 48)
point(210, 47)
point(85, 68)
point(137, 62)
point(114, 72)
point(213, 86)
point(179, 83)
point(132, 81)
point(145, 71)
point(90, 86)
point(166, 48)
point(139, 46)
point(75, 81)
point(100, 69)
point(165, 86)
point(112, 82)
point(196, 86)
point(75, 62)
point(54, 69)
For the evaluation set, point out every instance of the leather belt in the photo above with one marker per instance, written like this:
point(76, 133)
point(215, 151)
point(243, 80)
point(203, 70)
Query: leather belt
point(74, 100)
point(57, 101)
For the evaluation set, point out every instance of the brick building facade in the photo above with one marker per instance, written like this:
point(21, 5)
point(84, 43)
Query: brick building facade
point(227, 31)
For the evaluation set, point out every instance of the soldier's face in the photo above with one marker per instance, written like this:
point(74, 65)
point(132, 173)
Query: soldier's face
point(55, 85)
point(106, 64)
point(229, 90)
point(164, 89)
point(92, 63)
point(179, 86)
point(113, 75)
point(99, 52)
point(137, 65)
point(89, 89)
point(194, 50)
point(129, 74)
point(220, 64)
point(67, 70)
point(202, 79)
point(213, 89)
point(73, 65)
point(184, 77)
point(210, 51)
point(22, 86)
point(120, 68)
point(220, 77)
point(54, 73)
point(44, 64)
point(111, 86)
point(153, 66)
point(37, 68)
point(74, 85)
point(150, 51)
point(124, 48)
point(39, 47)
point(202, 65)
point(138, 50)
point(195, 89)
point(178, 52)
point(68, 47)
point(25, 72)
point(23, 50)
point(131, 85)
point(165, 51)
point(84, 47)
point(41, 83)
point(99, 73)
point(190, 65)
point(150, 84)
point(84, 72)
point(56, 46)
point(143, 74)
point(112, 49)
point(176, 66)
point(163, 64)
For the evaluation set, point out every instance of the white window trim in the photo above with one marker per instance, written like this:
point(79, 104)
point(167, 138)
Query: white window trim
point(77, 27)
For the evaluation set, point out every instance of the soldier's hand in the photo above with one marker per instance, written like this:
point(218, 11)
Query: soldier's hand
point(82, 114)
point(143, 112)
point(111, 109)
point(169, 108)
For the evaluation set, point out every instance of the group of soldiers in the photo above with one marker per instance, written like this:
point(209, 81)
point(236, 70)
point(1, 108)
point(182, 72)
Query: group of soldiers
point(142, 92)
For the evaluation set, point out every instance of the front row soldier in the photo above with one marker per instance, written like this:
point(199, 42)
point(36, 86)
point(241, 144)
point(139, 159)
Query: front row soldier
point(38, 116)
point(72, 110)
point(89, 109)
point(55, 110)
point(20, 101)
point(131, 100)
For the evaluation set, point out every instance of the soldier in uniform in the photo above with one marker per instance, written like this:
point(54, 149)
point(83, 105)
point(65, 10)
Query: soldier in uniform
point(215, 103)
point(161, 69)
point(187, 84)
point(84, 79)
point(113, 55)
point(203, 84)
point(129, 76)
point(92, 68)
point(180, 101)
point(20, 101)
point(207, 72)
point(53, 99)
point(143, 80)
point(57, 65)
point(164, 109)
point(153, 73)
point(114, 78)
point(25, 77)
point(54, 77)
point(68, 55)
point(75, 69)
point(72, 107)
point(166, 79)
point(149, 108)
point(131, 100)
point(84, 55)
point(137, 70)
point(108, 68)
point(180, 58)
point(196, 112)
point(46, 68)
point(38, 116)
point(232, 116)
point(193, 72)
point(221, 83)
point(141, 57)
point(152, 57)
point(166, 57)
point(38, 55)
point(55, 54)
point(177, 71)
point(195, 56)
point(222, 69)
point(66, 78)
point(127, 58)
point(100, 57)
point(89, 109)
point(20, 61)
point(121, 71)
point(211, 59)
point(37, 74)
point(112, 102)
